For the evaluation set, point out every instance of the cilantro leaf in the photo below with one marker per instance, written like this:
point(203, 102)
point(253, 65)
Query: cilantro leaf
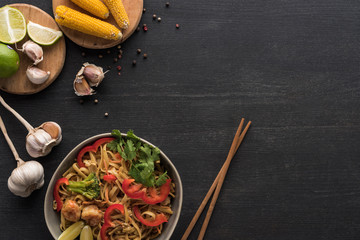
point(161, 180)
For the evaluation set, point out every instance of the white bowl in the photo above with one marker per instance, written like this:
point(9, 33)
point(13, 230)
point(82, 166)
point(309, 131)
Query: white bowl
point(52, 218)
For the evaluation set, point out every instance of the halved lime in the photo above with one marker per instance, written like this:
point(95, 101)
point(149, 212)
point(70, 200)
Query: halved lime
point(42, 35)
point(12, 25)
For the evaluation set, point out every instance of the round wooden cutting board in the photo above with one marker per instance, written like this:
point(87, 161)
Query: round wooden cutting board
point(134, 10)
point(54, 56)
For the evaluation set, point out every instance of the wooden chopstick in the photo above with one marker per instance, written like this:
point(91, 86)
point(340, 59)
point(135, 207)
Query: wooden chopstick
point(238, 138)
point(218, 188)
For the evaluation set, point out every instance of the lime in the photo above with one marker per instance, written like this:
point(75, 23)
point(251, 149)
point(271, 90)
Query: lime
point(42, 35)
point(9, 61)
point(12, 25)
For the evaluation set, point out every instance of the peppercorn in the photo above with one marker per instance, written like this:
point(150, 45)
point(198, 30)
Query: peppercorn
point(83, 54)
point(167, 4)
point(134, 62)
point(108, 51)
point(154, 16)
point(100, 56)
point(138, 51)
point(159, 19)
point(144, 10)
point(115, 59)
point(145, 55)
point(119, 73)
point(106, 114)
point(81, 101)
point(177, 25)
point(120, 51)
point(119, 46)
point(138, 29)
point(96, 101)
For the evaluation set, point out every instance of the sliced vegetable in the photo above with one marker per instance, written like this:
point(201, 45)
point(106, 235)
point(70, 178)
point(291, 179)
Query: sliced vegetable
point(148, 195)
point(81, 22)
point(86, 233)
point(95, 7)
point(117, 9)
point(72, 232)
point(92, 148)
point(154, 197)
point(56, 194)
point(134, 191)
point(159, 218)
point(107, 219)
point(109, 178)
point(89, 187)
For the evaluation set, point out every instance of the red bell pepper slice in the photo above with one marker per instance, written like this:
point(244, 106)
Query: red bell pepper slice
point(56, 194)
point(109, 178)
point(159, 218)
point(107, 219)
point(92, 148)
point(136, 191)
point(154, 198)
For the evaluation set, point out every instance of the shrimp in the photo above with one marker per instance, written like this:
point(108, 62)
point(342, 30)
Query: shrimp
point(71, 211)
point(92, 215)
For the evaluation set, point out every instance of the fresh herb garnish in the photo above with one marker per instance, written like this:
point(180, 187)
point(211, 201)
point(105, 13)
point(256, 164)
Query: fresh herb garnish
point(142, 157)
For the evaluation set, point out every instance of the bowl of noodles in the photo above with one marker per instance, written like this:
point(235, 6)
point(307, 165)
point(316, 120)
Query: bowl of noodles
point(114, 186)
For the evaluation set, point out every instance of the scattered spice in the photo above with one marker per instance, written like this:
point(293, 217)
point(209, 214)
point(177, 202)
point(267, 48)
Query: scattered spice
point(120, 51)
point(81, 101)
point(118, 68)
point(154, 16)
point(83, 54)
point(134, 62)
point(108, 51)
point(138, 29)
point(159, 19)
point(115, 59)
point(96, 101)
point(145, 29)
point(119, 46)
point(167, 4)
point(109, 67)
point(119, 73)
point(144, 10)
point(119, 56)
point(138, 51)
point(106, 114)
point(145, 55)
point(177, 25)
point(100, 56)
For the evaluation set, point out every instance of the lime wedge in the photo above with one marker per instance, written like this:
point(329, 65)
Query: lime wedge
point(42, 35)
point(12, 25)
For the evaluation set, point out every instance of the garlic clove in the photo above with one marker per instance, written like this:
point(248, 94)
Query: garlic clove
point(81, 87)
point(40, 142)
point(26, 178)
point(93, 74)
point(33, 51)
point(36, 75)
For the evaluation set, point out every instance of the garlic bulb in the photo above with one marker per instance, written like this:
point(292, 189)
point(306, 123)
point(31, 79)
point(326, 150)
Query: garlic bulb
point(41, 140)
point(33, 51)
point(26, 178)
point(36, 75)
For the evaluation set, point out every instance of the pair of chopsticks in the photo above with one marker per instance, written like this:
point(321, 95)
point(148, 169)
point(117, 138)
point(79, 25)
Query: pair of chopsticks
point(218, 182)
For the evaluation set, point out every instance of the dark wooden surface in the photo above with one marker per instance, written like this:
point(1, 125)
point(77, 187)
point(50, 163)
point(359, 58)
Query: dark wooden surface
point(292, 67)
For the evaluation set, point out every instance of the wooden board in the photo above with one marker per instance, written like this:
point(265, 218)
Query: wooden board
point(134, 10)
point(54, 56)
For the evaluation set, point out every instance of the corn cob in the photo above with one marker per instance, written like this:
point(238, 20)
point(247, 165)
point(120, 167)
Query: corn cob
point(70, 18)
point(117, 9)
point(95, 7)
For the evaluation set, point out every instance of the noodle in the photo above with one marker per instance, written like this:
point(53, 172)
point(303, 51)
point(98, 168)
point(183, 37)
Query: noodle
point(124, 226)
